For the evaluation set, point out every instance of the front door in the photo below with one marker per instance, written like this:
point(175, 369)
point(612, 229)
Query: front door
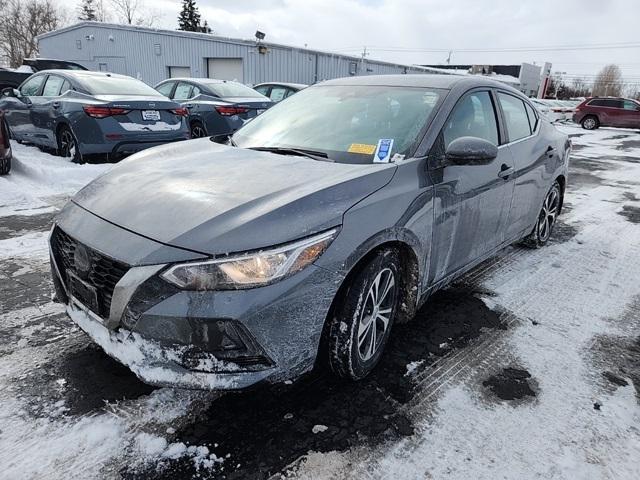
point(471, 201)
point(18, 110)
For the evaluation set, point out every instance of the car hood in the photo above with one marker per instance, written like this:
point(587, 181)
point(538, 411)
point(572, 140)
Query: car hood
point(214, 199)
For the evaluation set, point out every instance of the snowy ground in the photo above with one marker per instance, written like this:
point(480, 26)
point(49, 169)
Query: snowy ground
point(527, 368)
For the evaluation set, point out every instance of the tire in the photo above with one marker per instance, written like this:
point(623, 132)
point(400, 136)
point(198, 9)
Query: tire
point(590, 122)
point(546, 218)
point(355, 341)
point(198, 130)
point(5, 164)
point(68, 145)
point(5, 161)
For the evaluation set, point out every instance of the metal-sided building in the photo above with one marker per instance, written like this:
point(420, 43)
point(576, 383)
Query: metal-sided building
point(153, 55)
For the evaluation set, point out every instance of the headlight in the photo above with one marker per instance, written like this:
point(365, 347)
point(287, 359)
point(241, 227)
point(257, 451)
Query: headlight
point(251, 270)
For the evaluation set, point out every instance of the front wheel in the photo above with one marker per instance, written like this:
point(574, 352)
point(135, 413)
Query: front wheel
point(68, 145)
point(546, 218)
point(360, 327)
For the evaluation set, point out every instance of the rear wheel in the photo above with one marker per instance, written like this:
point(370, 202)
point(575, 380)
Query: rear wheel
point(68, 145)
point(198, 130)
point(362, 320)
point(590, 122)
point(546, 218)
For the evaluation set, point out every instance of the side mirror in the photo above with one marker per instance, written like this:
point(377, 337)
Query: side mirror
point(10, 92)
point(470, 151)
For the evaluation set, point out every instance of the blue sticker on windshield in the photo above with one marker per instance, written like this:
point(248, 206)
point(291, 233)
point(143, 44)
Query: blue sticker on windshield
point(383, 150)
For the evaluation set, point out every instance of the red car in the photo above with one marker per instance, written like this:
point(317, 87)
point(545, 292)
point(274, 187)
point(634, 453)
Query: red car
point(608, 112)
point(5, 147)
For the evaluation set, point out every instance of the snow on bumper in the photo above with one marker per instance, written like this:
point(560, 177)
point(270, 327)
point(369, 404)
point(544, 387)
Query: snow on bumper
point(154, 364)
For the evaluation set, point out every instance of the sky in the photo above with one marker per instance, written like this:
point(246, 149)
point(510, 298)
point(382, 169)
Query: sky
point(408, 31)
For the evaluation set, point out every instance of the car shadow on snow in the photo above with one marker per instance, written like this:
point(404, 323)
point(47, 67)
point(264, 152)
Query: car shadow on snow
point(263, 430)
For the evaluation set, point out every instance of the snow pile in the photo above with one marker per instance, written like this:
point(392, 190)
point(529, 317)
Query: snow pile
point(32, 244)
point(155, 449)
point(39, 182)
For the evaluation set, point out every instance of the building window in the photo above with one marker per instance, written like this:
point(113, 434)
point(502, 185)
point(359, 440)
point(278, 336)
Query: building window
point(157, 49)
point(102, 67)
point(353, 68)
point(79, 44)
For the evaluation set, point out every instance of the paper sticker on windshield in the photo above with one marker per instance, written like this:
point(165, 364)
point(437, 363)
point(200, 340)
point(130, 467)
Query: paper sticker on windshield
point(362, 148)
point(383, 150)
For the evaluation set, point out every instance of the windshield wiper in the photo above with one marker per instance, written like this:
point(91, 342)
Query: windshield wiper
point(303, 152)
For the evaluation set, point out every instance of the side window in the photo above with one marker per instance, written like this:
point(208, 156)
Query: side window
point(195, 92)
point(32, 86)
point(66, 86)
point(183, 91)
point(289, 93)
point(629, 105)
point(277, 93)
point(515, 116)
point(52, 86)
point(533, 118)
point(473, 116)
point(165, 88)
point(263, 90)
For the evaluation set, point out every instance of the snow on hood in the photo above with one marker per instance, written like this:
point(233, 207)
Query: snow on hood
point(216, 199)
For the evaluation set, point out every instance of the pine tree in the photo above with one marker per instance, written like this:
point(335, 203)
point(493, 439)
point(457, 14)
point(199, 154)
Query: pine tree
point(189, 18)
point(205, 28)
point(88, 11)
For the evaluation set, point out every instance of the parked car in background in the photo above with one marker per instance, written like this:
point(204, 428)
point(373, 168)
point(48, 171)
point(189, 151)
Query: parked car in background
point(554, 110)
point(337, 213)
point(278, 91)
point(608, 112)
point(216, 107)
point(13, 77)
point(82, 113)
point(5, 147)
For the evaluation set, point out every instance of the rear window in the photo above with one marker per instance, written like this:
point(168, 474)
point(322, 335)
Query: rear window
point(605, 102)
point(232, 89)
point(103, 85)
point(533, 118)
point(515, 116)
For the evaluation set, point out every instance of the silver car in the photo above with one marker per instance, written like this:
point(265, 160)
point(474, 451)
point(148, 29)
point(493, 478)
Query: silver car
point(81, 113)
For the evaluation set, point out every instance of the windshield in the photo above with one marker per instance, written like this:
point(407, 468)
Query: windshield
point(99, 85)
point(345, 122)
point(231, 89)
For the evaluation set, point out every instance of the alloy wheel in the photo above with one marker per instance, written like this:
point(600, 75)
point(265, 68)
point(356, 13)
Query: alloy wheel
point(548, 214)
point(589, 123)
point(376, 313)
point(67, 144)
point(197, 131)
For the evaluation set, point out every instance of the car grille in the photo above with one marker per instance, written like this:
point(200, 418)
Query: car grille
point(103, 274)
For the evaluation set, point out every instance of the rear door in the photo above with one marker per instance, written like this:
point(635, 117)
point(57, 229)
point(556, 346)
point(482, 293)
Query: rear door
point(530, 154)
point(472, 201)
point(46, 108)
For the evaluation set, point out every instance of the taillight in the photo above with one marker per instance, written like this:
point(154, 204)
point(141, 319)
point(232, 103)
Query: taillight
point(557, 110)
point(228, 110)
point(181, 112)
point(103, 112)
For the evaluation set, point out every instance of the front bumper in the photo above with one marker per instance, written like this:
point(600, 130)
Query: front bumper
point(216, 340)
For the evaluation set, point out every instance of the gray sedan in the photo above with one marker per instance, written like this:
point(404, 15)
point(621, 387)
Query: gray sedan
point(83, 113)
point(323, 222)
point(216, 107)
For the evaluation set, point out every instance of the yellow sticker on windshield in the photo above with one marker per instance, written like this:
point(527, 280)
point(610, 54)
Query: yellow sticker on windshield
point(362, 148)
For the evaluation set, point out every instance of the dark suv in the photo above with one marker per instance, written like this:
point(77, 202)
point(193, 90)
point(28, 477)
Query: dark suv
point(608, 112)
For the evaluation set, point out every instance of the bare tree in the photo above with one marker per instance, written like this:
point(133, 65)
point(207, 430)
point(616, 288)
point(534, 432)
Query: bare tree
point(134, 12)
point(608, 81)
point(21, 22)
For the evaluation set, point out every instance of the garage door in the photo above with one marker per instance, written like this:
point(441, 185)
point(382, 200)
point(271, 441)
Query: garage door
point(176, 72)
point(225, 69)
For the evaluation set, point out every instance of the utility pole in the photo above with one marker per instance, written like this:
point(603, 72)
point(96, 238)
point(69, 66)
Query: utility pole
point(449, 57)
point(362, 64)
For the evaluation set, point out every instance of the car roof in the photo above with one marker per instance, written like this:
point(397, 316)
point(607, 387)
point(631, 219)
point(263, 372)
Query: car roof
point(443, 81)
point(83, 74)
point(299, 86)
point(201, 80)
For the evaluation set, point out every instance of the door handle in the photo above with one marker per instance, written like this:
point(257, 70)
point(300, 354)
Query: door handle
point(56, 104)
point(506, 171)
